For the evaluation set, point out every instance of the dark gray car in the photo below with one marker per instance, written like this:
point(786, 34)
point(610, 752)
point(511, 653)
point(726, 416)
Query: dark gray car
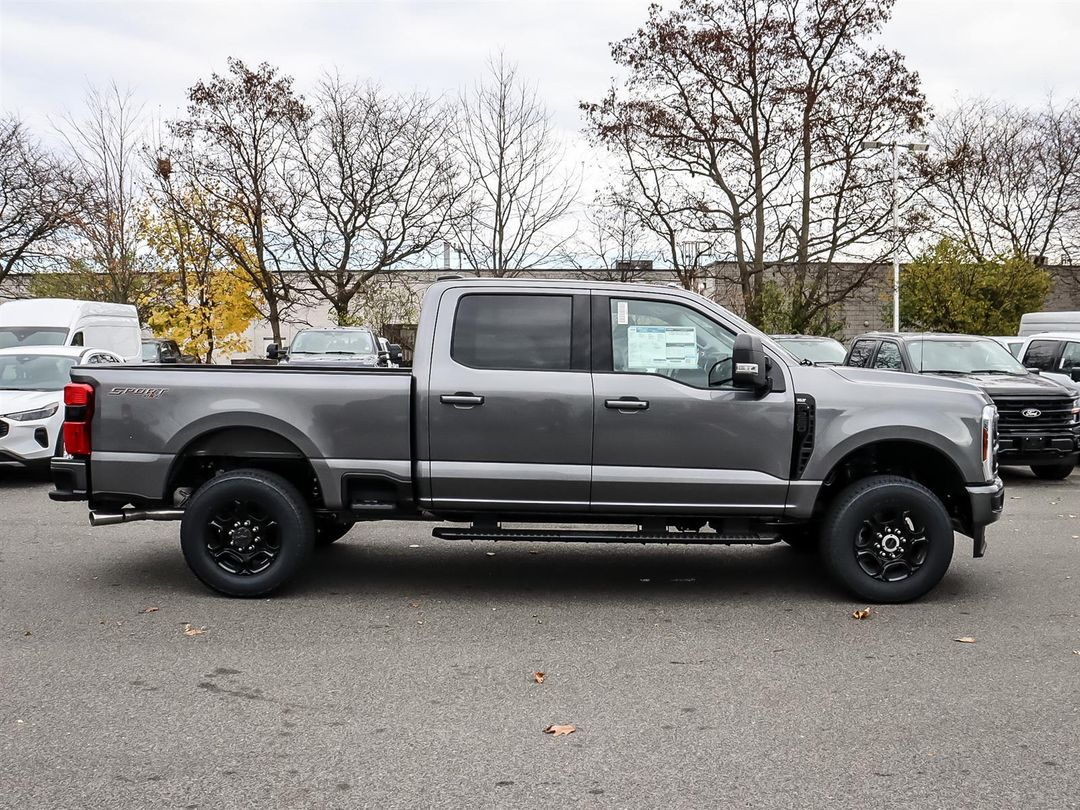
point(553, 403)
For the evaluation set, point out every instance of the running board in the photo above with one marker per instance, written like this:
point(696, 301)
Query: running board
point(586, 536)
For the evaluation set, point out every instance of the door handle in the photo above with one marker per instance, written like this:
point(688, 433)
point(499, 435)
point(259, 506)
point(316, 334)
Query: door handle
point(462, 399)
point(627, 404)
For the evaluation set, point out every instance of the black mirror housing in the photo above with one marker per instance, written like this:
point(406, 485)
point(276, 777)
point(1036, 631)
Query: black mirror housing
point(749, 363)
point(1074, 374)
point(272, 351)
point(395, 353)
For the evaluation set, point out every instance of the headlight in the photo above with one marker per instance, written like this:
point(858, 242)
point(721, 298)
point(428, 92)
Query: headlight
point(989, 442)
point(30, 416)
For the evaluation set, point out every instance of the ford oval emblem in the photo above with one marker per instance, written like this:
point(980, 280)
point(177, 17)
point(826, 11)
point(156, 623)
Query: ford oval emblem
point(1031, 413)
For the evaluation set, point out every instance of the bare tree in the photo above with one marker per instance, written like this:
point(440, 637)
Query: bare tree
point(744, 121)
point(1005, 180)
point(105, 142)
point(369, 186)
point(39, 198)
point(514, 166)
point(614, 244)
point(227, 153)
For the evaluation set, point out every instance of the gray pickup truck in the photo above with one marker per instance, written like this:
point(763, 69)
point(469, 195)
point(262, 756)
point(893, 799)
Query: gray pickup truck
point(545, 403)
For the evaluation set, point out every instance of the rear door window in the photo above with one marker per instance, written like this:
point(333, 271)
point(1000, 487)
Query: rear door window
point(1041, 353)
point(888, 357)
point(526, 332)
point(861, 353)
point(1070, 356)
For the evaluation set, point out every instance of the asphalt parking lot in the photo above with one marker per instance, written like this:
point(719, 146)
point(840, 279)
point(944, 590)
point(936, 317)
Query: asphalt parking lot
point(395, 676)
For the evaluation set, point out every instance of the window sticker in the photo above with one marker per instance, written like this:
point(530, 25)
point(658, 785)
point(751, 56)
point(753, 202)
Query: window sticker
point(622, 313)
point(662, 347)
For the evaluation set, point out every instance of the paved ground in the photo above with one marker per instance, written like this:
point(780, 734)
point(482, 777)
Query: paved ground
point(394, 676)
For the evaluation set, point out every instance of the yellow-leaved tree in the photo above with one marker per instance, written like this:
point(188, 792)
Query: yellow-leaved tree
point(201, 301)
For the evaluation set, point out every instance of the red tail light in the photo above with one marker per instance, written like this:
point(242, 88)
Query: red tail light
point(78, 409)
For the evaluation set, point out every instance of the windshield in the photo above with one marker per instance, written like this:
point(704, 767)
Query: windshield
point(816, 351)
point(963, 357)
point(34, 372)
point(316, 341)
point(16, 337)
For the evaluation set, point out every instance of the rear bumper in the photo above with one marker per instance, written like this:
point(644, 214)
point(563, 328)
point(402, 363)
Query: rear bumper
point(71, 479)
point(987, 502)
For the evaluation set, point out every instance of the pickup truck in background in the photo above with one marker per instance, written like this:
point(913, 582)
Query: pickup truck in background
point(557, 403)
point(341, 345)
point(1038, 419)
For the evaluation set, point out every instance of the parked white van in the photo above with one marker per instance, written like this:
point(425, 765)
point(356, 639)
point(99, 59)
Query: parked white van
point(65, 322)
point(1034, 323)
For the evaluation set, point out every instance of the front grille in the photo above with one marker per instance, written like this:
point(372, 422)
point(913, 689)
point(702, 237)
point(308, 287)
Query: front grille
point(3, 429)
point(1053, 413)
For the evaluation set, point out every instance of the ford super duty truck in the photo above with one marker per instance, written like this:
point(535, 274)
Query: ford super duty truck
point(537, 403)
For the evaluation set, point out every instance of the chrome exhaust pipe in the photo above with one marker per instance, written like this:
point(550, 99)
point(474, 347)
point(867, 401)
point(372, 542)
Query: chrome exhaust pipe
point(129, 515)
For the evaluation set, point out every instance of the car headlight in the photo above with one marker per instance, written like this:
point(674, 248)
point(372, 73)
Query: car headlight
point(989, 442)
point(30, 416)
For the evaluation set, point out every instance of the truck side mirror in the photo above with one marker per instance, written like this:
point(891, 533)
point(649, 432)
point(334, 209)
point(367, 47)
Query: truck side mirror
point(1074, 375)
point(749, 364)
point(395, 353)
point(1034, 371)
point(272, 351)
point(168, 357)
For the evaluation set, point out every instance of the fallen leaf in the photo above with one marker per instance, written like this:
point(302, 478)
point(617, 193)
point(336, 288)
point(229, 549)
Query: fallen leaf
point(560, 730)
point(192, 630)
point(414, 545)
point(28, 633)
point(414, 604)
point(150, 610)
point(1076, 652)
point(861, 614)
point(965, 639)
point(538, 677)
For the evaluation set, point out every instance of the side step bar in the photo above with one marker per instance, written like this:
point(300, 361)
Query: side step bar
point(589, 536)
point(129, 515)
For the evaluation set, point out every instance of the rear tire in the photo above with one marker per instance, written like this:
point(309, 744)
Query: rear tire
point(246, 533)
point(1053, 472)
point(887, 539)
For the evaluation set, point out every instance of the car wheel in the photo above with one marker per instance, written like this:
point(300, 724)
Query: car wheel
point(1053, 472)
point(330, 529)
point(887, 539)
point(246, 533)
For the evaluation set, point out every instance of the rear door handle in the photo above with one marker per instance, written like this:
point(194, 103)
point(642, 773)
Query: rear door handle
point(462, 399)
point(627, 404)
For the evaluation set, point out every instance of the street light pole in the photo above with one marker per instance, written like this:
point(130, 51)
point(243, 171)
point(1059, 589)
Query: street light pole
point(896, 147)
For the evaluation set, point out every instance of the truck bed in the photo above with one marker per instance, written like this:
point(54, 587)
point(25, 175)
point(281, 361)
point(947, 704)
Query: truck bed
point(342, 420)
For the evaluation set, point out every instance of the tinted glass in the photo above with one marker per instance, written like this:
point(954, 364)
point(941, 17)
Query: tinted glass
point(317, 341)
point(888, 357)
point(150, 352)
point(653, 337)
point(513, 332)
point(19, 336)
point(861, 352)
point(1070, 357)
point(962, 357)
point(1040, 354)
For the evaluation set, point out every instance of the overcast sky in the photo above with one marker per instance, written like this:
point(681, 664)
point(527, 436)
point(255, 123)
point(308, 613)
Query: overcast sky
point(49, 49)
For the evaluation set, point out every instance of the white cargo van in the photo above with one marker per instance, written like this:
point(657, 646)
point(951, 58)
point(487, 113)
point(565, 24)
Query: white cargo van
point(1033, 323)
point(64, 322)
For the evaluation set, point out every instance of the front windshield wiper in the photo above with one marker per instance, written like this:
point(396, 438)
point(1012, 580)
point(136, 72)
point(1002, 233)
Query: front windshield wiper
point(339, 352)
point(300, 351)
point(997, 371)
point(941, 371)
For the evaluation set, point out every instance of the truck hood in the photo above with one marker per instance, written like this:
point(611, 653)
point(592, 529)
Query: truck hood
point(1000, 385)
point(870, 376)
point(16, 401)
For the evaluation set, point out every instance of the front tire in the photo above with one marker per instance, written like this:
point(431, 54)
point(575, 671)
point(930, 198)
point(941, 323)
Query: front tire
point(246, 533)
point(887, 539)
point(1053, 472)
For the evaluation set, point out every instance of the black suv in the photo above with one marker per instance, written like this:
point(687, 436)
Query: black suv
point(1038, 419)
